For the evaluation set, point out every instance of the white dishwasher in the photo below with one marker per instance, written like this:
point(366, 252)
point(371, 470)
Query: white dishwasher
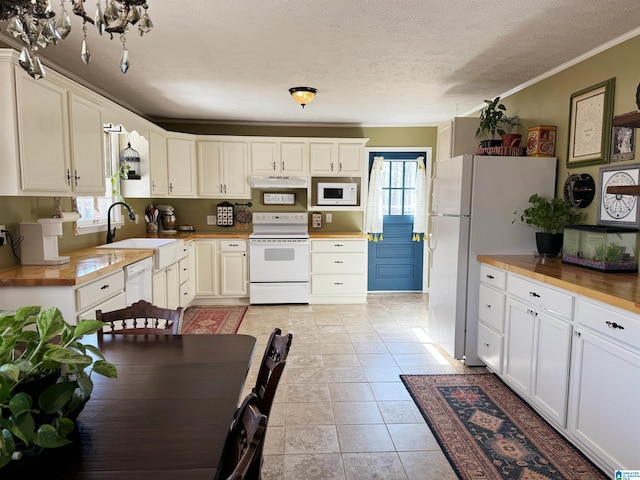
point(138, 281)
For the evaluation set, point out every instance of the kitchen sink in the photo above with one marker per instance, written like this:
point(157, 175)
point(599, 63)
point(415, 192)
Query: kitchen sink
point(165, 250)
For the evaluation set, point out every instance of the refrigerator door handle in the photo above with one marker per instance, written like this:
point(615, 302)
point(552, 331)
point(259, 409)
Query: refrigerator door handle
point(434, 195)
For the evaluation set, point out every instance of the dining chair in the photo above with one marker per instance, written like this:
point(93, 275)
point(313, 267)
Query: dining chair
point(242, 454)
point(141, 318)
point(271, 368)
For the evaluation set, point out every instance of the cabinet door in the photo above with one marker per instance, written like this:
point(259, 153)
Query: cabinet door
point(158, 164)
point(210, 182)
point(444, 141)
point(520, 322)
point(191, 255)
point(322, 158)
point(605, 387)
point(206, 271)
point(181, 161)
point(43, 123)
point(86, 146)
point(173, 286)
point(235, 166)
point(294, 159)
point(159, 288)
point(264, 158)
point(350, 159)
point(233, 274)
point(552, 354)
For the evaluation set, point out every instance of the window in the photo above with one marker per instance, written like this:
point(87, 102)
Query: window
point(399, 187)
point(93, 210)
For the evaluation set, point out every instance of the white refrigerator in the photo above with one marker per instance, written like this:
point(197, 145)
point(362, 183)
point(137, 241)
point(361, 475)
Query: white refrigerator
point(472, 211)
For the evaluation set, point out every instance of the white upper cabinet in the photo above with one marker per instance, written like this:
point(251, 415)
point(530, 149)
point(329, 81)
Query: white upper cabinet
point(279, 157)
point(86, 146)
point(222, 169)
point(43, 127)
point(181, 162)
point(457, 137)
point(336, 157)
point(158, 168)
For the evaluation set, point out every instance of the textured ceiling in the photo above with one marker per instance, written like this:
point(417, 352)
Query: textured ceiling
point(374, 62)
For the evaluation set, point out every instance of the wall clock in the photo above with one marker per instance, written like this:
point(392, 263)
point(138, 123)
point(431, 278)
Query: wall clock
point(616, 209)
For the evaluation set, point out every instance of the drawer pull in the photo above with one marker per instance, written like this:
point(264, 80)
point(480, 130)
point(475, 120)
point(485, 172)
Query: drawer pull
point(490, 277)
point(488, 306)
point(184, 269)
point(532, 312)
point(338, 283)
point(233, 245)
point(104, 287)
point(576, 334)
point(614, 325)
point(338, 245)
point(534, 295)
point(486, 344)
point(338, 261)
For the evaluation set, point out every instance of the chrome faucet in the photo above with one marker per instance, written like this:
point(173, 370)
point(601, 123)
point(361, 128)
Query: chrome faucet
point(111, 235)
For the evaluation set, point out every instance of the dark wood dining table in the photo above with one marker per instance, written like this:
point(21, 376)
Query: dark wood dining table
point(166, 416)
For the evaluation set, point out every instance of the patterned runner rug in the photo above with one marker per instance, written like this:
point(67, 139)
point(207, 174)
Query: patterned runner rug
point(486, 431)
point(212, 319)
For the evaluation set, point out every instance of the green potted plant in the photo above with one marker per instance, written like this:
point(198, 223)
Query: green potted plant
point(490, 117)
point(550, 217)
point(510, 124)
point(45, 379)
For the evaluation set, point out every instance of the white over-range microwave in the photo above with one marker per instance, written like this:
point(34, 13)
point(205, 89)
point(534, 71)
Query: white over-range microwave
point(344, 193)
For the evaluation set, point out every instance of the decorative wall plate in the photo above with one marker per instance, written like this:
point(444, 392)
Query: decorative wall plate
point(616, 209)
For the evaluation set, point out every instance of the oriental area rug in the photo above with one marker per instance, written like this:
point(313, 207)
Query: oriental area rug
point(212, 319)
point(486, 431)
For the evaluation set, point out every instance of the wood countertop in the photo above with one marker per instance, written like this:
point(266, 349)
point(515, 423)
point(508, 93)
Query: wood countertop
point(90, 263)
point(84, 265)
point(620, 290)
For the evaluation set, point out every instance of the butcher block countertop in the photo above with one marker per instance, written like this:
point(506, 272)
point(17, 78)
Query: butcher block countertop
point(90, 263)
point(620, 290)
point(84, 265)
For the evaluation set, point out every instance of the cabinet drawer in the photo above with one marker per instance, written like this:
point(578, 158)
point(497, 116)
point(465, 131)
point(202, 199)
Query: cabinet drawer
point(100, 290)
point(183, 266)
point(338, 263)
point(491, 307)
point(493, 276)
point(490, 347)
point(233, 245)
point(185, 289)
point(338, 284)
point(541, 296)
point(115, 303)
point(607, 320)
point(338, 245)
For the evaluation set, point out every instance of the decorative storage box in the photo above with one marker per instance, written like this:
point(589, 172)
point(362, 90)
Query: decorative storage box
point(541, 141)
point(607, 249)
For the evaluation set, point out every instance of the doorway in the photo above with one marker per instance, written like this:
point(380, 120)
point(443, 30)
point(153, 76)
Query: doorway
point(397, 262)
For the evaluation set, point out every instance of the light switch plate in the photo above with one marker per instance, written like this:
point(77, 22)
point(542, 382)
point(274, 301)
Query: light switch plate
point(211, 219)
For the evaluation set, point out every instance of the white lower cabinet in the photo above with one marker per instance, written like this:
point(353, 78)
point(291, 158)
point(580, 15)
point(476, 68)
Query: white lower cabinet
point(221, 269)
point(581, 371)
point(491, 313)
point(114, 303)
point(159, 288)
point(338, 271)
point(605, 385)
point(171, 285)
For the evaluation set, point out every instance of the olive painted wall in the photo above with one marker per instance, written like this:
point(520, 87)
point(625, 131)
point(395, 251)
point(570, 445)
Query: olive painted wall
point(548, 103)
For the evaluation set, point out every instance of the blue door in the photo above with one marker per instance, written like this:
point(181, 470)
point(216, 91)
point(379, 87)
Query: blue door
point(395, 263)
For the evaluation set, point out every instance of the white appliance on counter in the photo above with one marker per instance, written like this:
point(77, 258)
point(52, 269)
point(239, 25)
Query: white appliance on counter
point(472, 213)
point(279, 258)
point(138, 281)
point(40, 242)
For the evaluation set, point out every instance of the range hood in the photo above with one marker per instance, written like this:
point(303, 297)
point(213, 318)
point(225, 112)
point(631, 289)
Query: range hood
point(277, 182)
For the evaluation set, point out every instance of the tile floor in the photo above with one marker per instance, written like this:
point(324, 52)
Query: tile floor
point(341, 411)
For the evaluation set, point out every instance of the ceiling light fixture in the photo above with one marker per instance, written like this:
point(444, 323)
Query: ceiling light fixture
point(303, 95)
point(35, 23)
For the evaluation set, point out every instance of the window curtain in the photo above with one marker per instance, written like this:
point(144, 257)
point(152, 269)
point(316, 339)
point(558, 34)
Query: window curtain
point(420, 215)
point(375, 208)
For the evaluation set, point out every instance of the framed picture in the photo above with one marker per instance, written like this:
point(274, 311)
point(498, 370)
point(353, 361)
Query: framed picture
point(278, 198)
point(591, 115)
point(618, 210)
point(623, 144)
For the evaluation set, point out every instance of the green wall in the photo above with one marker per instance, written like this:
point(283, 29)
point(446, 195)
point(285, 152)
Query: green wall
point(548, 103)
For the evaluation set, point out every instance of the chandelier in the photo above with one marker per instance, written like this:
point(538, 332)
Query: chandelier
point(36, 24)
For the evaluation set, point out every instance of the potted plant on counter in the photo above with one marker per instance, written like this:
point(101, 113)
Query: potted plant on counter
point(490, 117)
point(550, 217)
point(45, 379)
